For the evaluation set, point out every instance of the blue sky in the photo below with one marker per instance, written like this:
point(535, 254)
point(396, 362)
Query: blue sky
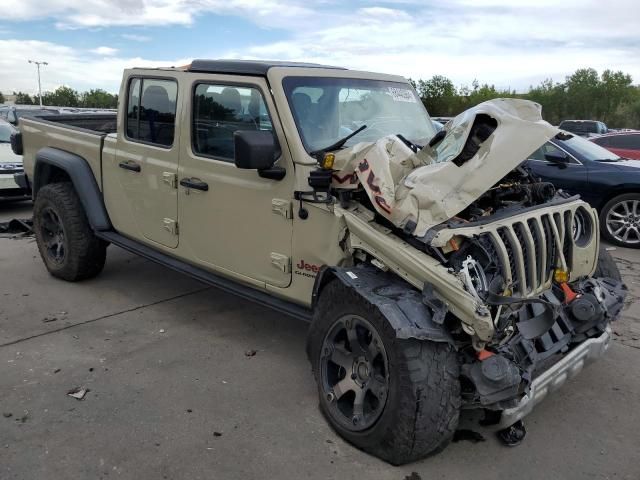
point(510, 44)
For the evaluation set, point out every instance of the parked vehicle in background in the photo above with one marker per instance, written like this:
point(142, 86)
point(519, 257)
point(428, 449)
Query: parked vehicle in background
point(606, 181)
point(626, 144)
point(11, 113)
point(10, 164)
point(436, 272)
point(584, 128)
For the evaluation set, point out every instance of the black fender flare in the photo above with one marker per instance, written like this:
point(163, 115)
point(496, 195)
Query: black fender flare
point(402, 305)
point(82, 178)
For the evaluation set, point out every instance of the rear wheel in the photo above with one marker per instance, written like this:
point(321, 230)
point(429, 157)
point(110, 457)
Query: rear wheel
point(65, 239)
point(620, 220)
point(397, 399)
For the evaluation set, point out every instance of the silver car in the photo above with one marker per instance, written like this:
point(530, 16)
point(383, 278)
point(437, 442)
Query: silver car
point(10, 164)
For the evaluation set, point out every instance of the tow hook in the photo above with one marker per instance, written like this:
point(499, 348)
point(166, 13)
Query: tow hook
point(512, 436)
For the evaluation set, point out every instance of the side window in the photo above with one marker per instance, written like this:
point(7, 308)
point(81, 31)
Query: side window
point(151, 111)
point(221, 110)
point(631, 142)
point(602, 141)
point(540, 153)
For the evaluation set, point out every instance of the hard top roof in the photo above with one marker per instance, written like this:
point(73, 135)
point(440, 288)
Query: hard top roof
point(247, 67)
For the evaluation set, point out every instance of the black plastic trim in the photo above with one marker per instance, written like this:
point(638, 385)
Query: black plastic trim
point(397, 301)
point(22, 181)
point(225, 284)
point(247, 67)
point(82, 178)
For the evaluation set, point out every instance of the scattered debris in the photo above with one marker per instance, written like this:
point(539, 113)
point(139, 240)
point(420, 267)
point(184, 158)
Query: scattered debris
point(23, 418)
point(162, 330)
point(469, 435)
point(57, 370)
point(329, 441)
point(16, 228)
point(250, 353)
point(413, 476)
point(76, 337)
point(7, 414)
point(610, 249)
point(512, 436)
point(78, 393)
point(49, 319)
point(189, 410)
point(91, 369)
point(217, 434)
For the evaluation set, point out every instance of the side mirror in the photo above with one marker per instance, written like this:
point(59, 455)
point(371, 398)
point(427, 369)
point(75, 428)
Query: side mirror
point(257, 150)
point(559, 158)
point(11, 117)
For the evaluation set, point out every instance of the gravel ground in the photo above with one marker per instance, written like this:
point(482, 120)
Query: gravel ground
point(173, 395)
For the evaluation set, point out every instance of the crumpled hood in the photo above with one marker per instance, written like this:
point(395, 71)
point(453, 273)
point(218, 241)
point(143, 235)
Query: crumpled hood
point(435, 184)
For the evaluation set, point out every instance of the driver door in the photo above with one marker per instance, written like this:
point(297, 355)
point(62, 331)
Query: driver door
point(232, 220)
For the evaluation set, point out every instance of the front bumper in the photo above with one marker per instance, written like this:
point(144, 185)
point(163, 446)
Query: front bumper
point(8, 182)
point(552, 379)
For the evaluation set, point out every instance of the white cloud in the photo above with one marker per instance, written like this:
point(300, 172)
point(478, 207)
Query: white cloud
point(135, 37)
point(506, 43)
point(67, 66)
point(105, 51)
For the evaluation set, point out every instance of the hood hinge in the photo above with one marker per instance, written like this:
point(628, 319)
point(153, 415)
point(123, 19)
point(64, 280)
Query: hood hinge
point(281, 262)
point(170, 225)
point(282, 207)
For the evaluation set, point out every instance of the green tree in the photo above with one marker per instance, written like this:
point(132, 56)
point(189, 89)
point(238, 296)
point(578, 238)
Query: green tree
point(437, 94)
point(98, 98)
point(61, 97)
point(23, 98)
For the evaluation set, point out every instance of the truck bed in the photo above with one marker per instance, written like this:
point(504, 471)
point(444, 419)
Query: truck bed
point(81, 134)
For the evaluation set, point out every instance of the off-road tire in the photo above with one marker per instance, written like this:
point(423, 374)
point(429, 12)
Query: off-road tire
point(84, 253)
point(603, 219)
point(606, 266)
point(423, 403)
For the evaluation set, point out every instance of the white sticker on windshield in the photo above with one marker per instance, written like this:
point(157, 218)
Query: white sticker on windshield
point(402, 95)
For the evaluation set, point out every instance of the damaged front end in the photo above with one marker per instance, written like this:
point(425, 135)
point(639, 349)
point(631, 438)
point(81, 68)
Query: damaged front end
point(510, 262)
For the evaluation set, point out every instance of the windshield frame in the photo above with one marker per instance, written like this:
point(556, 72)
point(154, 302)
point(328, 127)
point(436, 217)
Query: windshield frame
point(288, 89)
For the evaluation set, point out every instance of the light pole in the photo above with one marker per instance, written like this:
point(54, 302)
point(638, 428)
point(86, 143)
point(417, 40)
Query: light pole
point(39, 85)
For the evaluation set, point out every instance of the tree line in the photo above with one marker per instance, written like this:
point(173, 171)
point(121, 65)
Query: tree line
point(585, 95)
point(610, 97)
point(68, 97)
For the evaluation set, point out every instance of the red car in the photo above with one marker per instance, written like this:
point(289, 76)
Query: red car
point(624, 144)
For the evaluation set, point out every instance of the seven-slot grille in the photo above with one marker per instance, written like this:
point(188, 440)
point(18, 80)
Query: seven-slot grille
point(529, 250)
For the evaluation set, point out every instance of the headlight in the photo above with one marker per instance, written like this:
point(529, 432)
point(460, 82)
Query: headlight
point(582, 227)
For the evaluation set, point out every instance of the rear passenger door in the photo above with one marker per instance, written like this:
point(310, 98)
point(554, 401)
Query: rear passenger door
point(232, 220)
point(141, 179)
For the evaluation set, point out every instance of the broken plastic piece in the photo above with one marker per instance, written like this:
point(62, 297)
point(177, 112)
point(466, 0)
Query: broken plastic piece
point(569, 295)
point(78, 393)
point(512, 436)
point(484, 354)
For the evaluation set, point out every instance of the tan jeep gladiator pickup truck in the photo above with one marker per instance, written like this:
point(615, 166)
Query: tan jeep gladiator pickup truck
point(437, 273)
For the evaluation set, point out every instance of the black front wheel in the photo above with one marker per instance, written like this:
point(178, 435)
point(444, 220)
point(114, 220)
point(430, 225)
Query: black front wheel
point(398, 399)
point(66, 242)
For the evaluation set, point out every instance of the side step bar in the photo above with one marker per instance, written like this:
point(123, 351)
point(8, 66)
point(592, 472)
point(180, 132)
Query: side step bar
point(209, 278)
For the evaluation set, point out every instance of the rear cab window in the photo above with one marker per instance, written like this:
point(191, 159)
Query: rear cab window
point(151, 111)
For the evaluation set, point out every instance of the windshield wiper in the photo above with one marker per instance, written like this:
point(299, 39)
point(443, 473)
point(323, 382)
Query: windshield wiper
point(339, 144)
point(609, 160)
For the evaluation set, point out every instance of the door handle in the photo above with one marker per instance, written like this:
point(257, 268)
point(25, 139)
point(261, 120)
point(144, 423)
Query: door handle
point(195, 184)
point(132, 166)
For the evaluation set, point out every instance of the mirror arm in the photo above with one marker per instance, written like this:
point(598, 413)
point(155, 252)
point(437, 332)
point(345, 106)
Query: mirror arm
point(273, 173)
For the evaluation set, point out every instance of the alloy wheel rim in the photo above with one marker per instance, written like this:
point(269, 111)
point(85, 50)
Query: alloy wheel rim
point(53, 235)
point(623, 221)
point(354, 373)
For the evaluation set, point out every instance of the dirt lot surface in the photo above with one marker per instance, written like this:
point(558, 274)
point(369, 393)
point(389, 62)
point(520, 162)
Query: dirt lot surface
point(173, 394)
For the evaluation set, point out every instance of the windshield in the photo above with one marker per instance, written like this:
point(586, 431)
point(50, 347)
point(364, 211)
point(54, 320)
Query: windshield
point(584, 149)
point(328, 109)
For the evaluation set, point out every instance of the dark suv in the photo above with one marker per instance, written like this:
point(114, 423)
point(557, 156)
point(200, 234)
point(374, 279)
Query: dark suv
point(584, 128)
